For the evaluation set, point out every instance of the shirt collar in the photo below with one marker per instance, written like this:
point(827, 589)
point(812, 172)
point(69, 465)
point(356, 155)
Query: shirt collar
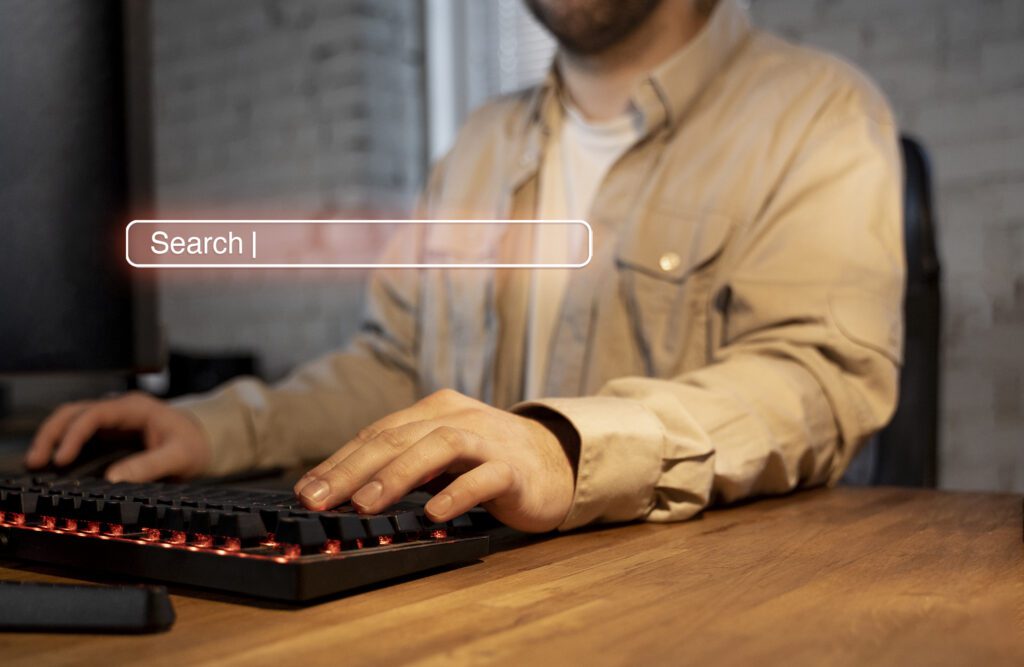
point(667, 93)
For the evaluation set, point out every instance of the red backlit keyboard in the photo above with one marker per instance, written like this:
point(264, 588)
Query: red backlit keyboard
point(248, 541)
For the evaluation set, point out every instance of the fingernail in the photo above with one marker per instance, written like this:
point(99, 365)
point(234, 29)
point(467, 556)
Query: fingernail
point(439, 505)
point(368, 495)
point(315, 492)
point(301, 484)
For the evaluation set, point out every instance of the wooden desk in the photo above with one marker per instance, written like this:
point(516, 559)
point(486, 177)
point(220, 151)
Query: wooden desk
point(842, 576)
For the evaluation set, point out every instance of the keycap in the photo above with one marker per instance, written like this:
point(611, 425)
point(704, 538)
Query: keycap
point(66, 507)
point(90, 515)
point(482, 519)
point(20, 502)
point(47, 503)
point(306, 533)
point(121, 512)
point(240, 529)
point(406, 524)
point(346, 528)
point(90, 508)
point(174, 518)
point(271, 515)
point(217, 507)
point(380, 530)
point(149, 515)
point(461, 522)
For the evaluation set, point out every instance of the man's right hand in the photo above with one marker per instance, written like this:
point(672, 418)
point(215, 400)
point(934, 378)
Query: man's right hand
point(175, 443)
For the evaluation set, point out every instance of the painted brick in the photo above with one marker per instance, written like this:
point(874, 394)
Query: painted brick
point(267, 107)
point(993, 115)
point(1002, 64)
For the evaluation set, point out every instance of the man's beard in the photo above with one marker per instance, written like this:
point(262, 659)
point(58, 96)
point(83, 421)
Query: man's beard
point(587, 27)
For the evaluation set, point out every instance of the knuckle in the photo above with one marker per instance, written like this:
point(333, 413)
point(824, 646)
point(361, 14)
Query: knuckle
point(85, 420)
point(392, 440)
point(68, 408)
point(443, 396)
point(503, 472)
point(322, 469)
point(453, 438)
point(366, 434)
point(400, 470)
point(93, 414)
point(137, 396)
point(467, 490)
point(340, 474)
point(475, 415)
point(328, 463)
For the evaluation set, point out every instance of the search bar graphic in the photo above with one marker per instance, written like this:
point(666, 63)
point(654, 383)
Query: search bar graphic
point(357, 244)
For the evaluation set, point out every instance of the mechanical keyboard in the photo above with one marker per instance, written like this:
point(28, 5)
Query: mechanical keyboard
point(253, 542)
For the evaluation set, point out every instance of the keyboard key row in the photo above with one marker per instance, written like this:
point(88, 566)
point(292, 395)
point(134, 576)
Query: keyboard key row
point(230, 527)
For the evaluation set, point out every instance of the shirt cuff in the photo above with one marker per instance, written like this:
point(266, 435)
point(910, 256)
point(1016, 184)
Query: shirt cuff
point(620, 458)
point(227, 429)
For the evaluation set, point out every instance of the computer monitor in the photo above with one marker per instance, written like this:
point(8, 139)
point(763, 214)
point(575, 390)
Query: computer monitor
point(75, 167)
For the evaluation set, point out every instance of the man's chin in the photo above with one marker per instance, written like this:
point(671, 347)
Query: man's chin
point(589, 27)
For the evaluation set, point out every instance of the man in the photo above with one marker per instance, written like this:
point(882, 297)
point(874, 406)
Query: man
point(736, 334)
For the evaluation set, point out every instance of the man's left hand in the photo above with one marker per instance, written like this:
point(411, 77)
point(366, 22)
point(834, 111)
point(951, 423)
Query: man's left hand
point(514, 466)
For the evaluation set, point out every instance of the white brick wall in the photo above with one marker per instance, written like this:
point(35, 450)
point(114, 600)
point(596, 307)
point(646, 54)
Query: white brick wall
point(954, 72)
point(282, 108)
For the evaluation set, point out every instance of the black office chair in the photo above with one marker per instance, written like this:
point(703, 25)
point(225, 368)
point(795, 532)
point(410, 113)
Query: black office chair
point(905, 452)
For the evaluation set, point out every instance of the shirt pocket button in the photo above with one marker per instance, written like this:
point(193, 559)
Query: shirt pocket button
point(669, 261)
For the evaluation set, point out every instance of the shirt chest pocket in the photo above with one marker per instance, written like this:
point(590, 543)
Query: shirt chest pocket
point(666, 271)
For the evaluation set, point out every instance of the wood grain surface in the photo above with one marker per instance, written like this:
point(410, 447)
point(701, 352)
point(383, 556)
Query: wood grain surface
point(828, 577)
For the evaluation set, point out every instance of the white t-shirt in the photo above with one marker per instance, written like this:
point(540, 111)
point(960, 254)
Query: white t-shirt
point(576, 159)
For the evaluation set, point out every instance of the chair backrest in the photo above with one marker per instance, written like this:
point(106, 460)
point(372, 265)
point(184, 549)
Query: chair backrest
point(905, 452)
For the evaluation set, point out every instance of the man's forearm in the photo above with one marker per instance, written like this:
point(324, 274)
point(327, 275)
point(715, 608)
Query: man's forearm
point(305, 417)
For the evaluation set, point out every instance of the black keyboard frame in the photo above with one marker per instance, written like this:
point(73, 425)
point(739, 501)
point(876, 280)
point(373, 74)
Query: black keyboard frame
point(260, 571)
point(298, 579)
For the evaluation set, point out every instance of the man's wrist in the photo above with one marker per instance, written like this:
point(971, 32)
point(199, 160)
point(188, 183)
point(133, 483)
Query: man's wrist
point(563, 430)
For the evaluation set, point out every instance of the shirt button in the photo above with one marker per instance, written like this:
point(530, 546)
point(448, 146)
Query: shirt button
point(669, 261)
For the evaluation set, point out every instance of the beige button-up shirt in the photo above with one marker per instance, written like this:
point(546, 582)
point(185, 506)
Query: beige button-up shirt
point(737, 333)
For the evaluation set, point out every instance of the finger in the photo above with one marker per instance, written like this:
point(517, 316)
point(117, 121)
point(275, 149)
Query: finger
point(127, 412)
point(444, 448)
point(146, 466)
point(337, 484)
point(427, 408)
point(334, 459)
point(49, 433)
point(483, 483)
point(365, 435)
